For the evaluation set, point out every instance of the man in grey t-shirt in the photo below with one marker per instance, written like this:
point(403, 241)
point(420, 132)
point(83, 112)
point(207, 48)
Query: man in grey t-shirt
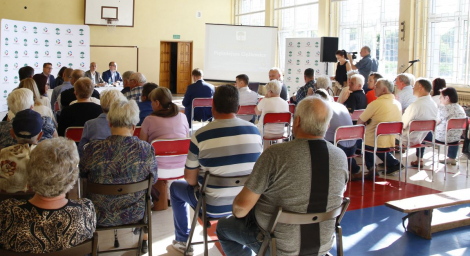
point(306, 175)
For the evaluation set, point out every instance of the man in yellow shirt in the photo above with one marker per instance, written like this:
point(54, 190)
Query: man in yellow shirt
point(385, 109)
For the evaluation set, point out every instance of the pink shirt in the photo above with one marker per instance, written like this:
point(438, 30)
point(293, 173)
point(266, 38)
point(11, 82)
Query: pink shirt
point(176, 127)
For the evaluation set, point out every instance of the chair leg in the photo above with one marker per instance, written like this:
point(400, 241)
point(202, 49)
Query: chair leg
point(139, 244)
point(149, 223)
point(445, 162)
point(406, 168)
point(467, 167)
point(433, 159)
point(339, 241)
point(193, 225)
point(350, 169)
point(204, 226)
point(385, 165)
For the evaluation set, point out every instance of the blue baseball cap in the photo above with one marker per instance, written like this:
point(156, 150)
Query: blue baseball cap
point(27, 124)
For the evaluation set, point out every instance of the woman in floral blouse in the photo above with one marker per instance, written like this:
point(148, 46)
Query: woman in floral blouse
point(119, 159)
point(48, 222)
point(449, 109)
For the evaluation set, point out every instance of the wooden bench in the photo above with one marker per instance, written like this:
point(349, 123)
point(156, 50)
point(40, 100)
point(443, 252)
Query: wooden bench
point(420, 212)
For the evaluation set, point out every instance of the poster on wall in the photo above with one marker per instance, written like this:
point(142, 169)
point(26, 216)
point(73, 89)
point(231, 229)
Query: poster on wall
point(302, 53)
point(33, 44)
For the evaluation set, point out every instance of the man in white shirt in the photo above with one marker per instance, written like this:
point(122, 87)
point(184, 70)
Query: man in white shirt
point(405, 91)
point(424, 108)
point(247, 96)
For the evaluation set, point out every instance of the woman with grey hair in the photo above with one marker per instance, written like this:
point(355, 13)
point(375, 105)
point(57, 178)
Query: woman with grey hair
point(324, 82)
point(98, 128)
point(48, 222)
point(119, 159)
point(272, 103)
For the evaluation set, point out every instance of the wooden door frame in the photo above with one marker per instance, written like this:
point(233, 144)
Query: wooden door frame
point(179, 41)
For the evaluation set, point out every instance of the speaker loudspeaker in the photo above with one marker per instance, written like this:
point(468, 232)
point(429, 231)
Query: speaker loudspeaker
point(329, 46)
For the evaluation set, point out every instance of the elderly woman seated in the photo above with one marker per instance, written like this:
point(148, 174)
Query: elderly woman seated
point(48, 222)
point(98, 128)
point(18, 100)
point(272, 103)
point(119, 159)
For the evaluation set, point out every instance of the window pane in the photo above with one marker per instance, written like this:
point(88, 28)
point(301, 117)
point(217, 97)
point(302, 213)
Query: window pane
point(390, 49)
point(286, 3)
point(350, 11)
point(372, 12)
point(445, 6)
point(441, 49)
point(246, 6)
point(391, 10)
point(255, 19)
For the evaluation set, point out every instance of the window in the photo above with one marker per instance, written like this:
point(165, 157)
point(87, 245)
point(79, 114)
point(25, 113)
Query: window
point(250, 12)
point(373, 23)
point(447, 40)
point(294, 18)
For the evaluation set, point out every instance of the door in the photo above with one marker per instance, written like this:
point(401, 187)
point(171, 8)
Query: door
point(184, 66)
point(165, 61)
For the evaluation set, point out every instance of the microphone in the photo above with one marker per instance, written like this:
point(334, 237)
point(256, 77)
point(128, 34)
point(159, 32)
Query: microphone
point(413, 61)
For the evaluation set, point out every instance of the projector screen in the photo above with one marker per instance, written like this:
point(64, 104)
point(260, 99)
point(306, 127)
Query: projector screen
point(234, 50)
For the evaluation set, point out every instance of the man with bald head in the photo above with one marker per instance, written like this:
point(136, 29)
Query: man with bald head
point(384, 109)
point(94, 75)
point(136, 84)
point(308, 163)
point(366, 65)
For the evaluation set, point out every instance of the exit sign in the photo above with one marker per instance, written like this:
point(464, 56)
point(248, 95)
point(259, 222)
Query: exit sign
point(176, 36)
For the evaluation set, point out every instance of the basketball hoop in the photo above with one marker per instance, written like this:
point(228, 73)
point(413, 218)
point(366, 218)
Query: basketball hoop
point(111, 24)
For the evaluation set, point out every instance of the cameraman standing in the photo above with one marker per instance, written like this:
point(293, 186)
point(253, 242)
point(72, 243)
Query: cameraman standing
point(366, 65)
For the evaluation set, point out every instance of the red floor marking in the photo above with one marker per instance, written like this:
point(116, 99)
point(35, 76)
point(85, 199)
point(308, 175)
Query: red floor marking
point(385, 190)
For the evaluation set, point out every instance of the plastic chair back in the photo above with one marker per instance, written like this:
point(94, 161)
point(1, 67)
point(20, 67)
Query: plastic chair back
point(422, 126)
point(457, 124)
point(356, 114)
point(389, 128)
point(246, 110)
point(277, 118)
point(292, 108)
point(354, 132)
point(74, 133)
point(336, 98)
point(174, 148)
point(137, 131)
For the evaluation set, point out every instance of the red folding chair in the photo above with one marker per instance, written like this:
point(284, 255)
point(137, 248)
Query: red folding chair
point(356, 114)
point(74, 133)
point(137, 131)
point(336, 98)
point(170, 149)
point(386, 129)
point(452, 124)
point(420, 126)
point(199, 103)
point(174, 150)
point(247, 110)
point(277, 118)
point(353, 132)
point(292, 108)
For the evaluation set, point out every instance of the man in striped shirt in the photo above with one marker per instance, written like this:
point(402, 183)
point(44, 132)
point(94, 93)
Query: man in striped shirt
point(228, 146)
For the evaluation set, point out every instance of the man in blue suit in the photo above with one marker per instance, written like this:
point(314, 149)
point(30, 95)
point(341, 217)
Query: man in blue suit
point(46, 70)
point(200, 89)
point(112, 74)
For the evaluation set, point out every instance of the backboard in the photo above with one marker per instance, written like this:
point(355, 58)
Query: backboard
point(98, 11)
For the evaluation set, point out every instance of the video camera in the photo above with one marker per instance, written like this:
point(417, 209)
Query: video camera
point(353, 55)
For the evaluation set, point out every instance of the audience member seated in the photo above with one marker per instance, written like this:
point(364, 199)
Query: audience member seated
point(370, 95)
point(437, 85)
point(48, 222)
point(344, 94)
point(130, 160)
point(112, 76)
point(21, 99)
point(276, 74)
point(66, 84)
point(94, 75)
point(25, 72)
point(68, 96)
point(384, 109)
point(46, 71)
point(136, 84)
point(272, 103)
point(283, 177)
point(125, 81)
point(145, 105)
point(357, 98)
point(82, 111)
point(41, 81)
point(247, 96)
point(41, 103)
point(309, 87)
point(424, 108)
point(228, 146)
point(199, 89)
point(98, 128)
point(405, 90)
point(341, 117)
point(166, 121)
point(13, 160)
point(448, 109)
point(60, 77)
point(324, 82)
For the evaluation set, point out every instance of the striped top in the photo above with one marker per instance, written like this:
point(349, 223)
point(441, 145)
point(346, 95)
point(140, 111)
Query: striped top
point(227, 147)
